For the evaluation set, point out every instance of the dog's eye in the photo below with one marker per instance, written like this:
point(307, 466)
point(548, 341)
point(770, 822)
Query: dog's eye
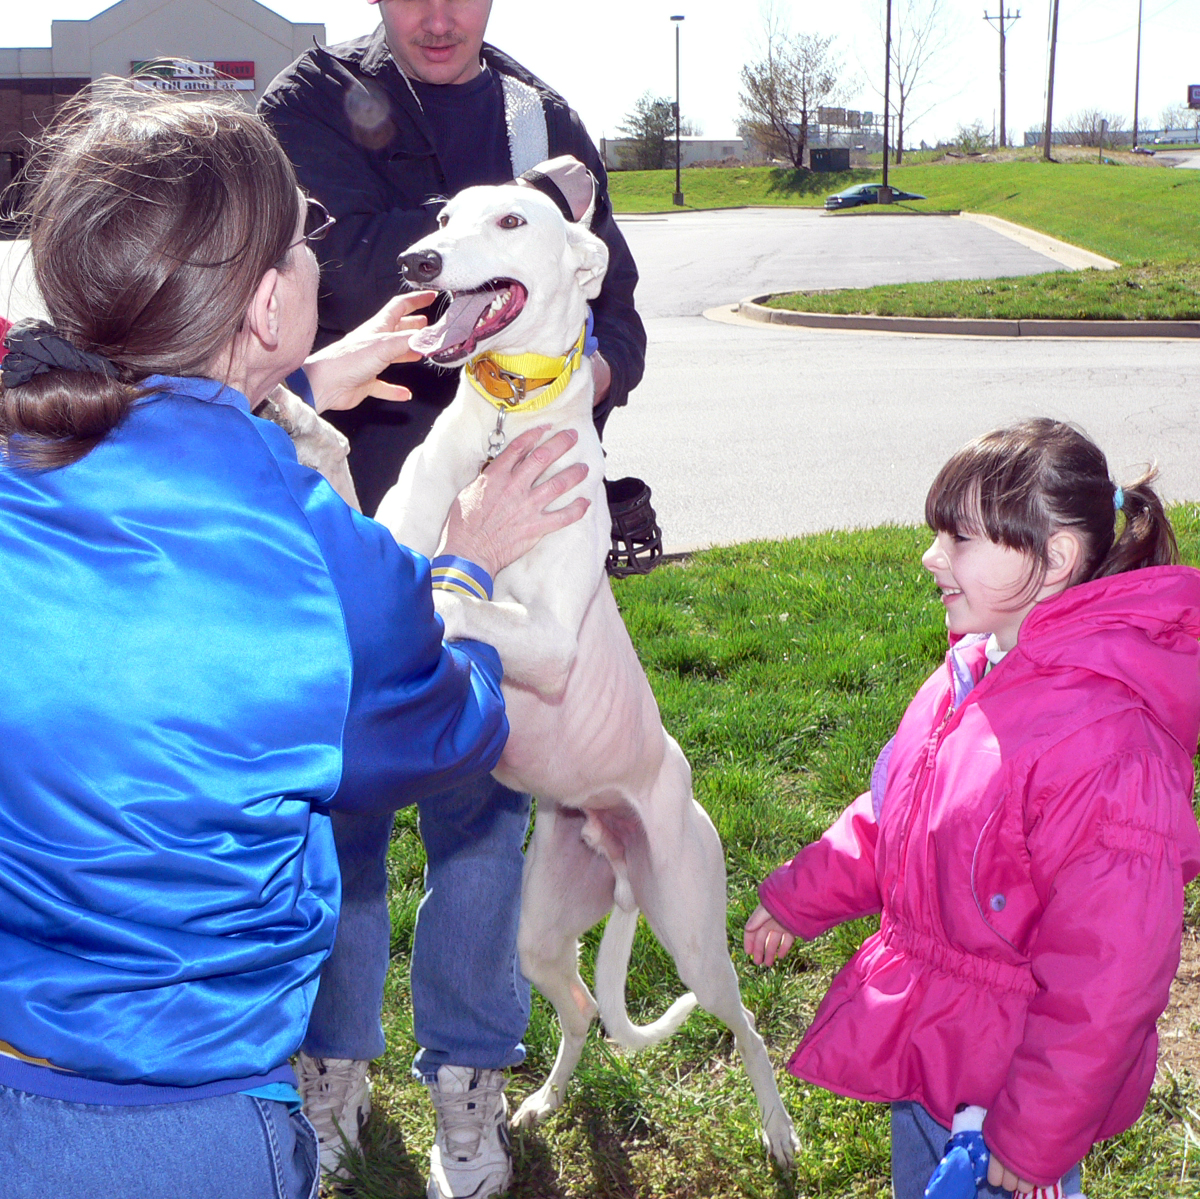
point(511, 221)
point(443, 221)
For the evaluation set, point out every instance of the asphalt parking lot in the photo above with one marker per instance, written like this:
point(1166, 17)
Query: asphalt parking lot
point(695, 260)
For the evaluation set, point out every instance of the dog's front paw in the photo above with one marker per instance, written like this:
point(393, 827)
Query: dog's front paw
point(452, 608)
point(537, 1107)
point(779, 1136)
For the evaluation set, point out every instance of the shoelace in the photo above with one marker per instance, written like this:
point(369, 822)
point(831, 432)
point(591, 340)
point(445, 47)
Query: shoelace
point(333, 1084)
point(461, 1123)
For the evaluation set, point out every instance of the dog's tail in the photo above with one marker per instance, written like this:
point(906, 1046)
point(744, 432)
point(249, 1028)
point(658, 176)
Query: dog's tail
point(612, 966)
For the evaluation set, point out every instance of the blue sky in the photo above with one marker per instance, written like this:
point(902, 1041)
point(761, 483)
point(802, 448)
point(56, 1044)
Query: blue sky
point(603, 56)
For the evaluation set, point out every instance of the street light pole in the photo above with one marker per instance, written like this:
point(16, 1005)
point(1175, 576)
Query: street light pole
point(885, 192)
point(678, 181)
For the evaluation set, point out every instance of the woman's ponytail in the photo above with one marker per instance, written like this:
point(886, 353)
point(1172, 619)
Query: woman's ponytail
point(57, 401)
point(1147, 538)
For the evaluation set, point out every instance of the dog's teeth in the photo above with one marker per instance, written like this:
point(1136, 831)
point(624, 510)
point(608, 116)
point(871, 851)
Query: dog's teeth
point(495, 307)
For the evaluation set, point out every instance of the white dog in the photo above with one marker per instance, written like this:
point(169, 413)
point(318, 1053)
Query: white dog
point(617, 828)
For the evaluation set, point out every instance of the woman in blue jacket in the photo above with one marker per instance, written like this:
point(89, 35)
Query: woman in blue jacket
point(205, 652)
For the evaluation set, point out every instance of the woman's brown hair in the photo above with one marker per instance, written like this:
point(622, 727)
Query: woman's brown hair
point(1018, 485)
point(152, 220)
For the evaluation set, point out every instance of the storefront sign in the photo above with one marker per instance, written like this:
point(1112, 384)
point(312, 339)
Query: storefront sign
point(1194, 96)
point(171, 76)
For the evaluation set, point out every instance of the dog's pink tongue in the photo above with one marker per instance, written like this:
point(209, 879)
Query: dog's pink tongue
point(456, 325)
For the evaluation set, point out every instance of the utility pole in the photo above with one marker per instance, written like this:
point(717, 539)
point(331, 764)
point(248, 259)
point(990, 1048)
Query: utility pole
point(1137, 77)
point(885, 192)
point(1010, 17)
point(1050, 81)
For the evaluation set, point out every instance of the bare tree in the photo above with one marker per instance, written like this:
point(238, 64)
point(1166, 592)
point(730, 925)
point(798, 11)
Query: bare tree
point(1178, 116)
point(921, 33)
point(782, 91)
point(1089, 125)
point(650, 128)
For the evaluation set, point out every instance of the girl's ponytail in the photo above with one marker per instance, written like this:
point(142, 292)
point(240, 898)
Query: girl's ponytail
point(1147, 538)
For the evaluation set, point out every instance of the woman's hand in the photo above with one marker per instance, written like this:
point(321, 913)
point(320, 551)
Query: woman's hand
point(999, 1175)
point(343, 374)
point(502, 515)
point(765, 939)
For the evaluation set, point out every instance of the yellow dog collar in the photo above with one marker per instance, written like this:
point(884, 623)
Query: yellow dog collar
point(506, 380)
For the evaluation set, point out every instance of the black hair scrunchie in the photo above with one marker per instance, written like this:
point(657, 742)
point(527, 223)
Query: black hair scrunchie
point(34, 348)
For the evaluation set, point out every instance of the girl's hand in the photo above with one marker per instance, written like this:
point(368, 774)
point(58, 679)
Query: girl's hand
point(999, 1175)
point(502, 515)
point(766, 940)
point(343, 374)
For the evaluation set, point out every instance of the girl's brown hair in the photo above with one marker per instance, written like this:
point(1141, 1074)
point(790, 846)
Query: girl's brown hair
point(152, 220)
point(1017, 486)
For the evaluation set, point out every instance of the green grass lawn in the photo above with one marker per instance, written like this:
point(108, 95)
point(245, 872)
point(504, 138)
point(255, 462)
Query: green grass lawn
point(1130, 214)
point(781, 668)
point(1136, 293)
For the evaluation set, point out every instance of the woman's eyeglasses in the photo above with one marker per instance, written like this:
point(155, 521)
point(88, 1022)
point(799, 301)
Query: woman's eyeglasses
point(317, 222)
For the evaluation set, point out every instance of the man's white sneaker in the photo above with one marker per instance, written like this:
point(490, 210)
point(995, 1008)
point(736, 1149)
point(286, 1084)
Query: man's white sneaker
point(471, 1158)
point(337, 1102)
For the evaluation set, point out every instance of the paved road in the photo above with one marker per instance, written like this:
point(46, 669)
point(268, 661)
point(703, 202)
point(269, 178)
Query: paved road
point(750, 431)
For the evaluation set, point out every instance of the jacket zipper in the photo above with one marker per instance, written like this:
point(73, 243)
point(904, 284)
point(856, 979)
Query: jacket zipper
point(927, 763)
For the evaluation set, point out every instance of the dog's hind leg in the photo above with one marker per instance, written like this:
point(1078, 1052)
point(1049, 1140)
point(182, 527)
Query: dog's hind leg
point(680, 884)
point(567, 888)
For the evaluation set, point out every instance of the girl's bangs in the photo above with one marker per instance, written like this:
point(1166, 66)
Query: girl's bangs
point(953, 503)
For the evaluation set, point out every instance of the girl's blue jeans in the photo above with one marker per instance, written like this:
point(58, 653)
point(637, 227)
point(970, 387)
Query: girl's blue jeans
point(918, 1142)
point(229, 1147)
point(470, 1000)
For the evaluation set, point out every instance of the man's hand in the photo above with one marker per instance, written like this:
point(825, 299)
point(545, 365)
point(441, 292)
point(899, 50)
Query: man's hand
point(999, 1175)
point(601, 378)
point(765, 939)
point(343, 374)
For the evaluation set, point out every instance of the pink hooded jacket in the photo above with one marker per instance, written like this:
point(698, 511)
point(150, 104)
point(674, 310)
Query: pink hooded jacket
point(1028, 854)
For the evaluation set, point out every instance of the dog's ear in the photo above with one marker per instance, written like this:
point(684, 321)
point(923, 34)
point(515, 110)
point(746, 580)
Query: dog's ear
point(590, 256)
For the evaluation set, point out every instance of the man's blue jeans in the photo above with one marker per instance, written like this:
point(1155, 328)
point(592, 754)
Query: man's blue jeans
point(470, 1000)
point(918, 1142)
point(232, 1145)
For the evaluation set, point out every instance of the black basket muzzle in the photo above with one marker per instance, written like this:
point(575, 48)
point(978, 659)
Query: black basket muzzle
point(636, 537)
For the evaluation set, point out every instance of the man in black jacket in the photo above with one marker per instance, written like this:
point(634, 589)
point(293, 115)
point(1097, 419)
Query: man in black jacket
point(381, 130)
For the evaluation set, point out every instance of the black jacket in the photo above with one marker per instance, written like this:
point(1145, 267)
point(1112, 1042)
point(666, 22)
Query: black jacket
point(362, 146)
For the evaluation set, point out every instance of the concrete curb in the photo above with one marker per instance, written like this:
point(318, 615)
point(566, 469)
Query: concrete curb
point(755, 310)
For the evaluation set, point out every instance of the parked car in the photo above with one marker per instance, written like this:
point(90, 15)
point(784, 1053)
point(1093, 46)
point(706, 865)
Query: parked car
point(865, 193)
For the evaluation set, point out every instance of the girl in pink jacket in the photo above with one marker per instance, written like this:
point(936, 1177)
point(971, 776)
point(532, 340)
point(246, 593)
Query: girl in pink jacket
point(1028, 832)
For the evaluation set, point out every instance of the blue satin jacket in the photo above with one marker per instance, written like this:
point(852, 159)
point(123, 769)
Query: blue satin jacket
point(204, 651)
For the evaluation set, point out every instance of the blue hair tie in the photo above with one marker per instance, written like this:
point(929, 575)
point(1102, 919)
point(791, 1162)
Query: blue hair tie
point(1119, 498)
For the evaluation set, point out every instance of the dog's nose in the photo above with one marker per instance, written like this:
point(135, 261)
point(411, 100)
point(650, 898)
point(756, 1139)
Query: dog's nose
point(421, 267)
